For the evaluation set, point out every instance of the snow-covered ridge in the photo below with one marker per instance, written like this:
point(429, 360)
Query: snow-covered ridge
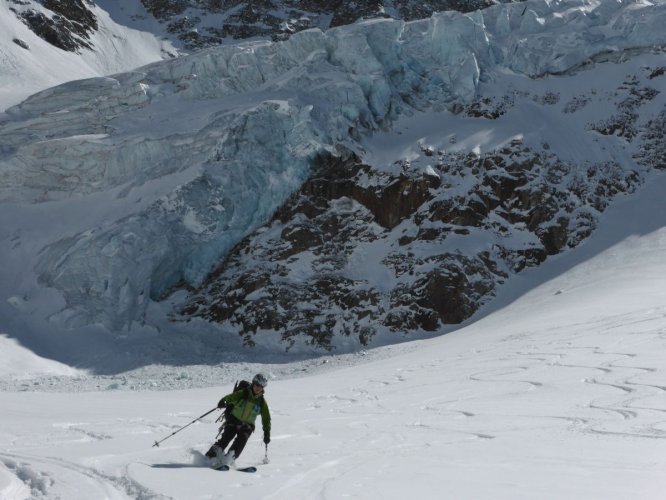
point(185, 157)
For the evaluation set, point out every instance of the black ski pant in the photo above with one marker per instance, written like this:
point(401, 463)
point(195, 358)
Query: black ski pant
point(233, 428)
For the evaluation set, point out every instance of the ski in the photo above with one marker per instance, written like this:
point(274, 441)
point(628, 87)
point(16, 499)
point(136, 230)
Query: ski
point(239, 469)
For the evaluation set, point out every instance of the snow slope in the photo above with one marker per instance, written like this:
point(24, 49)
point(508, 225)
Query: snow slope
point(17, 362)
point(24, 72)
point(556, 393)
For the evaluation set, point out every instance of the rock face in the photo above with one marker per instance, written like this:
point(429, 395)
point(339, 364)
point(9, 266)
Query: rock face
point(359, 252)
point(307, 272)
point(66, 25)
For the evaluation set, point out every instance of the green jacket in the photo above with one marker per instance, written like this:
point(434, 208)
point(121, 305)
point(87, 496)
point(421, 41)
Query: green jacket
point(246, 406)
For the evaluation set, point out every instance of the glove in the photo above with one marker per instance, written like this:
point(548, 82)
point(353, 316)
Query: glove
point(222, 403)
point(267, 437)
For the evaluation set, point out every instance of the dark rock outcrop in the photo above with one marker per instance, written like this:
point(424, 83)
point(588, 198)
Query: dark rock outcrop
point(359, 251)
point(66, 25)
point(305, 276)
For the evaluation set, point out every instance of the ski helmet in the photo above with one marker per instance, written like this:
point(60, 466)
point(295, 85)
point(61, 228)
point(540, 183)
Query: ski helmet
point(260, 379)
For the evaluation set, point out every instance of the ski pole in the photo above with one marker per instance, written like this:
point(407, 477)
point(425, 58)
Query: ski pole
point(157, 443)
point(266, 456)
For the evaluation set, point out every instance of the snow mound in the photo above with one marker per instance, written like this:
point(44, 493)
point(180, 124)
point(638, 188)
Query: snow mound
point(20, 363)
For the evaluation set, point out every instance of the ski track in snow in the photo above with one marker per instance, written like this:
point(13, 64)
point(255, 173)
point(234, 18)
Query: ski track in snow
point(40, 474)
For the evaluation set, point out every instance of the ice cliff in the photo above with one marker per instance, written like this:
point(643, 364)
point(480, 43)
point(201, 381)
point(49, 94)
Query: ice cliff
point(181, 159)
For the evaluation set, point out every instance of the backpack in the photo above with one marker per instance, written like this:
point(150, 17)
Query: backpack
point(239, 385)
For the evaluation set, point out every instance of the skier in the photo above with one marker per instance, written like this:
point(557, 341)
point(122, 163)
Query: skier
point(242, 408)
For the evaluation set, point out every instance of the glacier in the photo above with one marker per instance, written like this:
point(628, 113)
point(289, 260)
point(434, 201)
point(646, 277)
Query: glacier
point(183, 158)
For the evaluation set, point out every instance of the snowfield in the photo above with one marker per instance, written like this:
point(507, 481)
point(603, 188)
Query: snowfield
point(558, 392)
